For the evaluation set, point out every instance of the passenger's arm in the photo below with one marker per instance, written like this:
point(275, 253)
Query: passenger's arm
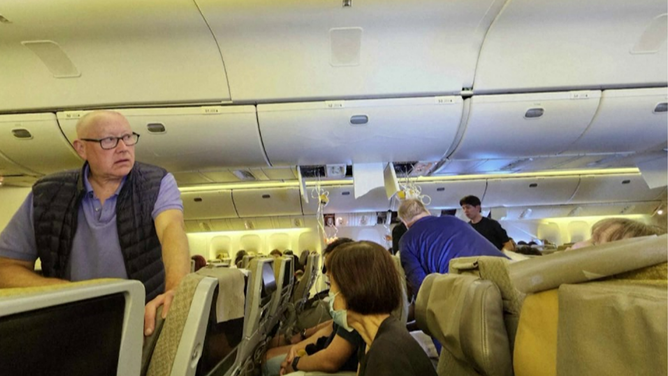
point(175, 253)
point(325, 330)
point(330, 359)
point(509, 246)
point(20, 273)
point(414, 272)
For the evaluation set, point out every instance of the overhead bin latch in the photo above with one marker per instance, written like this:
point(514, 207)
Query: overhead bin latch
point(22, 134)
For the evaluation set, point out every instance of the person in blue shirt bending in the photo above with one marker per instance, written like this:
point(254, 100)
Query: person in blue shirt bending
point(431, 242)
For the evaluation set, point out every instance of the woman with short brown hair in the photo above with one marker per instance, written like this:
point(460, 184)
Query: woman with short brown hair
point(365, 289)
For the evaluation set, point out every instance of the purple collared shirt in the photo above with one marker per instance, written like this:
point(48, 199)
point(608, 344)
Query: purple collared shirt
point(96, 251)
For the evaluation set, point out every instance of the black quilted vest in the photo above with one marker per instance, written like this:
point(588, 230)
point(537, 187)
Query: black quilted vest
point(56, 201)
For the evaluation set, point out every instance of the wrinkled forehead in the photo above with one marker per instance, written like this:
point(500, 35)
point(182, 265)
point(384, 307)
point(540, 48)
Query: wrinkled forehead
point(102, 124)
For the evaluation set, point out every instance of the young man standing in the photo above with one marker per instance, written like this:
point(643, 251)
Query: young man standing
point(487, 227)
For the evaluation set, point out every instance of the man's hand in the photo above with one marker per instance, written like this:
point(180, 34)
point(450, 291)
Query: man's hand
point(286, 366)
point(164, 300)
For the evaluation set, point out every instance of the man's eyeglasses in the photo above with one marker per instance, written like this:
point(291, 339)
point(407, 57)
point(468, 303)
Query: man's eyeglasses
point(108, 143)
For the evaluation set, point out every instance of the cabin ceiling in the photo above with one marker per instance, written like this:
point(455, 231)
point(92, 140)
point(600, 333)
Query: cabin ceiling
point(246, 91)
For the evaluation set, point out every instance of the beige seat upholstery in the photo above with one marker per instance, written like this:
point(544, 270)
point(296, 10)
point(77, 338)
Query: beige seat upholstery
point(302, 289)
point(465, 313)
point(467, 289)
point(179, 345)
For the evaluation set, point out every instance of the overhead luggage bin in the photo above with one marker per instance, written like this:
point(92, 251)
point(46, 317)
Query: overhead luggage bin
point(626, 121)
point(208, 205)
point(105, 53)
point(342, 200)
point(446, 194)
point(529, 191)
point(189, 138)
point(364, 131)
point(267, 202)
point(311, 49)
point(615, 188)
point(525, 125)
point(34, 143)
point(546, 45)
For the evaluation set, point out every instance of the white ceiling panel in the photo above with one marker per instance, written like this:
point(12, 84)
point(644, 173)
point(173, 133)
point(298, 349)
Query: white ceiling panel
point(189, 138)
point(313, 49)
point(525, 125)
point(553, 45)
point(119, 52)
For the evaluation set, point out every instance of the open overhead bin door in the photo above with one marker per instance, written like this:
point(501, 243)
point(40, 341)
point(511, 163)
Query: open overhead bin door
point(34, 144)
point(189, 138)
point(554, 45)
point(309, 49)
point(525, 125)
point(627, 120)
point(615, 188)
point(529, 191)
point(383, 130)
point(102, 53)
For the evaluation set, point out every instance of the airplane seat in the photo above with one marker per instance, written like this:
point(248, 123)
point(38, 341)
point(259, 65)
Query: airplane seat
point(284, 284)
point(301, 291)
point(261, 291)
point(529, 305)
point(183, 347)
point(49, 330)
point(401, 313)
point(465, 313)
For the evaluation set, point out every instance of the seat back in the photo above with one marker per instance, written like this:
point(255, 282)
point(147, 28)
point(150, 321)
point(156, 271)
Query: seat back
point(631, 258)
point(401, 313)
point(201, 301)
point(260, 292)
point(301, 291)
point(283, 271)
point(465, 313)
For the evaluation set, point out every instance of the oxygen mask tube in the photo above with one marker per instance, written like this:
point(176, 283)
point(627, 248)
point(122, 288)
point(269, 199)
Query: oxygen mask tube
point(410, 190)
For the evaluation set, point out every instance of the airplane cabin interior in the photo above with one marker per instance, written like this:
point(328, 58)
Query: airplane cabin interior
point(288, 124)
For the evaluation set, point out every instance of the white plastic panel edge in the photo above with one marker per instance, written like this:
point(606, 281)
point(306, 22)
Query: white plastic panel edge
point(498, 125)
point(545, 45)
point(616, 188)
point(267, 202)
point(529, 191)
point(625, 122)
point(208, 205)
point(159, 52)
point(395, 130)
point(271, 52)
point(194, 138)
point(44, 150)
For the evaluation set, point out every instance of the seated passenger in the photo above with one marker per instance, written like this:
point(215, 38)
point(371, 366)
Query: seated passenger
point(275, 253)
point(613, 229)
point(239, 258)
point(325, 347)
point(365, 289)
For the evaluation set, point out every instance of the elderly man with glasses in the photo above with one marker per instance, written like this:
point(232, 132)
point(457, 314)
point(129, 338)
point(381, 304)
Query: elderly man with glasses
point(113, 218)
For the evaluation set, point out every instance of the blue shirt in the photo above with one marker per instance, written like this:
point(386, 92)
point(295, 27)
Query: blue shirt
point(431, 242)
point(96, 251)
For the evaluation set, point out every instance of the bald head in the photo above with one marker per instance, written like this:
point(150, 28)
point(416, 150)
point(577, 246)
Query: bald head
point(88, 125)
point(411, 210)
